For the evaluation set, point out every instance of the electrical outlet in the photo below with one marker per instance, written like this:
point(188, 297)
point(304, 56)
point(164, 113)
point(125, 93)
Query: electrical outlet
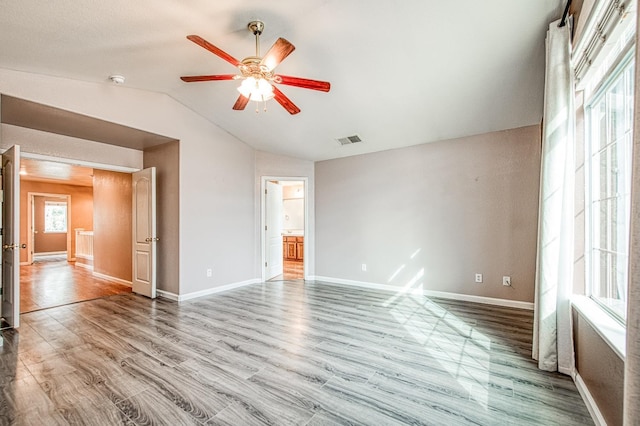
point(478, 278)
point(506, 281)
point(364, 267)
point(209, 272)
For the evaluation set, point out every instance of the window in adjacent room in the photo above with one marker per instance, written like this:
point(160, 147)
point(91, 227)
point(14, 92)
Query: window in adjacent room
point(609, 116)
point(55, 216)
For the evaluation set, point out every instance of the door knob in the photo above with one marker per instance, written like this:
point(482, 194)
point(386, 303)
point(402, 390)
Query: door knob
point(23, 246)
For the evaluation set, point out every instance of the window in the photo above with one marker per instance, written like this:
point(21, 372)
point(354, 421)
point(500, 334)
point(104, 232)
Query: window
point(609, 117)
point(55, 216)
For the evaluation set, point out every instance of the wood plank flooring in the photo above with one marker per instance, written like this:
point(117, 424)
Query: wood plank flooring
point(291, 270)
point(280, 353)
point(56, 282)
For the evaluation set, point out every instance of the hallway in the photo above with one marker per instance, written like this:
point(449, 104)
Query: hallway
point(56, 282)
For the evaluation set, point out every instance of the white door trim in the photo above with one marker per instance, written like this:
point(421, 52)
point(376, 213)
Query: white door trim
point(90, 164)
point(263, 221)
point(30, 213)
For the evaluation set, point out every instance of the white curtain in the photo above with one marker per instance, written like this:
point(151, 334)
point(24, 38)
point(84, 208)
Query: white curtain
point(632, 359)
point(552, 339)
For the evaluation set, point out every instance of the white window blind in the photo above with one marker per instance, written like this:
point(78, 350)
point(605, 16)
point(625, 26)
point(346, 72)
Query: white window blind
point(610, 27)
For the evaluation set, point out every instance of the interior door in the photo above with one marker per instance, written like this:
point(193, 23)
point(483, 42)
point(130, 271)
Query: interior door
point(273, 232)
point(143, 187)
point(11, 236)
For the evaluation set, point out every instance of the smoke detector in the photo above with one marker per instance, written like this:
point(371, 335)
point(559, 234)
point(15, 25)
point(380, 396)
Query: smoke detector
point(117, 79)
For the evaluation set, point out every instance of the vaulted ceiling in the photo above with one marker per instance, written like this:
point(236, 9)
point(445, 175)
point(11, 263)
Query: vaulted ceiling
point(401, 72)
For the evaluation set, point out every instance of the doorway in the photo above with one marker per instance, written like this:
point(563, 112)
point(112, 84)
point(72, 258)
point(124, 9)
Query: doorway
point(58, 212)
point(48, 219)
point(284, 230)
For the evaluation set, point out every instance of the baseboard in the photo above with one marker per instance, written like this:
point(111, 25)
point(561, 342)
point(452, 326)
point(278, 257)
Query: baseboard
point(182, 297)
point(596, 415)
point(84, 265)
point(24, 264)
point(429, 293)
point(49, 253)
point(107, 277)
point(84, 256)
point(168, 295)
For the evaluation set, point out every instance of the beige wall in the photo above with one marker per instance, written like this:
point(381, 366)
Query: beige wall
point(81, 208)
point(112, 224)
point(446, 210)
point(37, 142)
point(601, 369)
point(166, 159)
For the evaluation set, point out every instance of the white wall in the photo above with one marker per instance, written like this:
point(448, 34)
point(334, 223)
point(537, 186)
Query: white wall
point(267, 164)
point(217, 220)
point(439, 212)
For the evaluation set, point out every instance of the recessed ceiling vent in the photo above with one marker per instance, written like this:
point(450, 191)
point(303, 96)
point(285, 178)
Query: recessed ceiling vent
point(349, 140)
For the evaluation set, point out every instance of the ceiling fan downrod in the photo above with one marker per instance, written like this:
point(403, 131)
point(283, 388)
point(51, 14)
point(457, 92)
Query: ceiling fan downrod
point(256, 28)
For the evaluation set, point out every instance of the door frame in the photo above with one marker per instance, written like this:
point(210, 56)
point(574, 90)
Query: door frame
point(101, 166)
point(263, 218)
point(30, 220)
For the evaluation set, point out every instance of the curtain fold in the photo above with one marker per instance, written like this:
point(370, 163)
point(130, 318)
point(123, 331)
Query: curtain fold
point(552, 339)
point(632, 360)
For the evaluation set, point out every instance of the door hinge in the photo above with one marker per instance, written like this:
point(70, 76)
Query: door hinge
point(265, 191)
point(265, 227)
point(265, 264)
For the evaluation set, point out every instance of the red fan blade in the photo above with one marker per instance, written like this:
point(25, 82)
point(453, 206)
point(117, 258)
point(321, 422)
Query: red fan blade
point(285, 102)
point(216, 51)
point(240, 103)
point(278, 52)
point(191, 79)
point(322, 86)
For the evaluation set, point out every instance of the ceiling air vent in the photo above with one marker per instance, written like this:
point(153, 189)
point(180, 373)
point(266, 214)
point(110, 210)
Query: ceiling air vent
point(349, 140)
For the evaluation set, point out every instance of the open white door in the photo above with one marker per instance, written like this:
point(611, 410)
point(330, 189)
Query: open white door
point(143, 187)
point(273, 231)
point(11, 236)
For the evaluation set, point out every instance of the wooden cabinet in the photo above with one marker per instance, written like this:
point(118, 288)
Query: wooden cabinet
point(293, 247)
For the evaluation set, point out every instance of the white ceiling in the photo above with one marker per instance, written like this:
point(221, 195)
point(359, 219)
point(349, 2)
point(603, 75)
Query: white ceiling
point(402, 72)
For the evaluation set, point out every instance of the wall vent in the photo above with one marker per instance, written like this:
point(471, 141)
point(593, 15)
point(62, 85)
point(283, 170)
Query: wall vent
point(349, 140)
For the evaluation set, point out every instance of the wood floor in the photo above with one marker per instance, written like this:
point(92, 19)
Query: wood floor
point(280, 353)
point(56, 282)
point(291, 270)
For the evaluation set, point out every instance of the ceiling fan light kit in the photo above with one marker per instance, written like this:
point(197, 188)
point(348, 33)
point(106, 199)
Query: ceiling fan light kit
point(257, 73)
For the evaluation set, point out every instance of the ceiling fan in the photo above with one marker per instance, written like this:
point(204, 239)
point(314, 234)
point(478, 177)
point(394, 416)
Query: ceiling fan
point(257, 73)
